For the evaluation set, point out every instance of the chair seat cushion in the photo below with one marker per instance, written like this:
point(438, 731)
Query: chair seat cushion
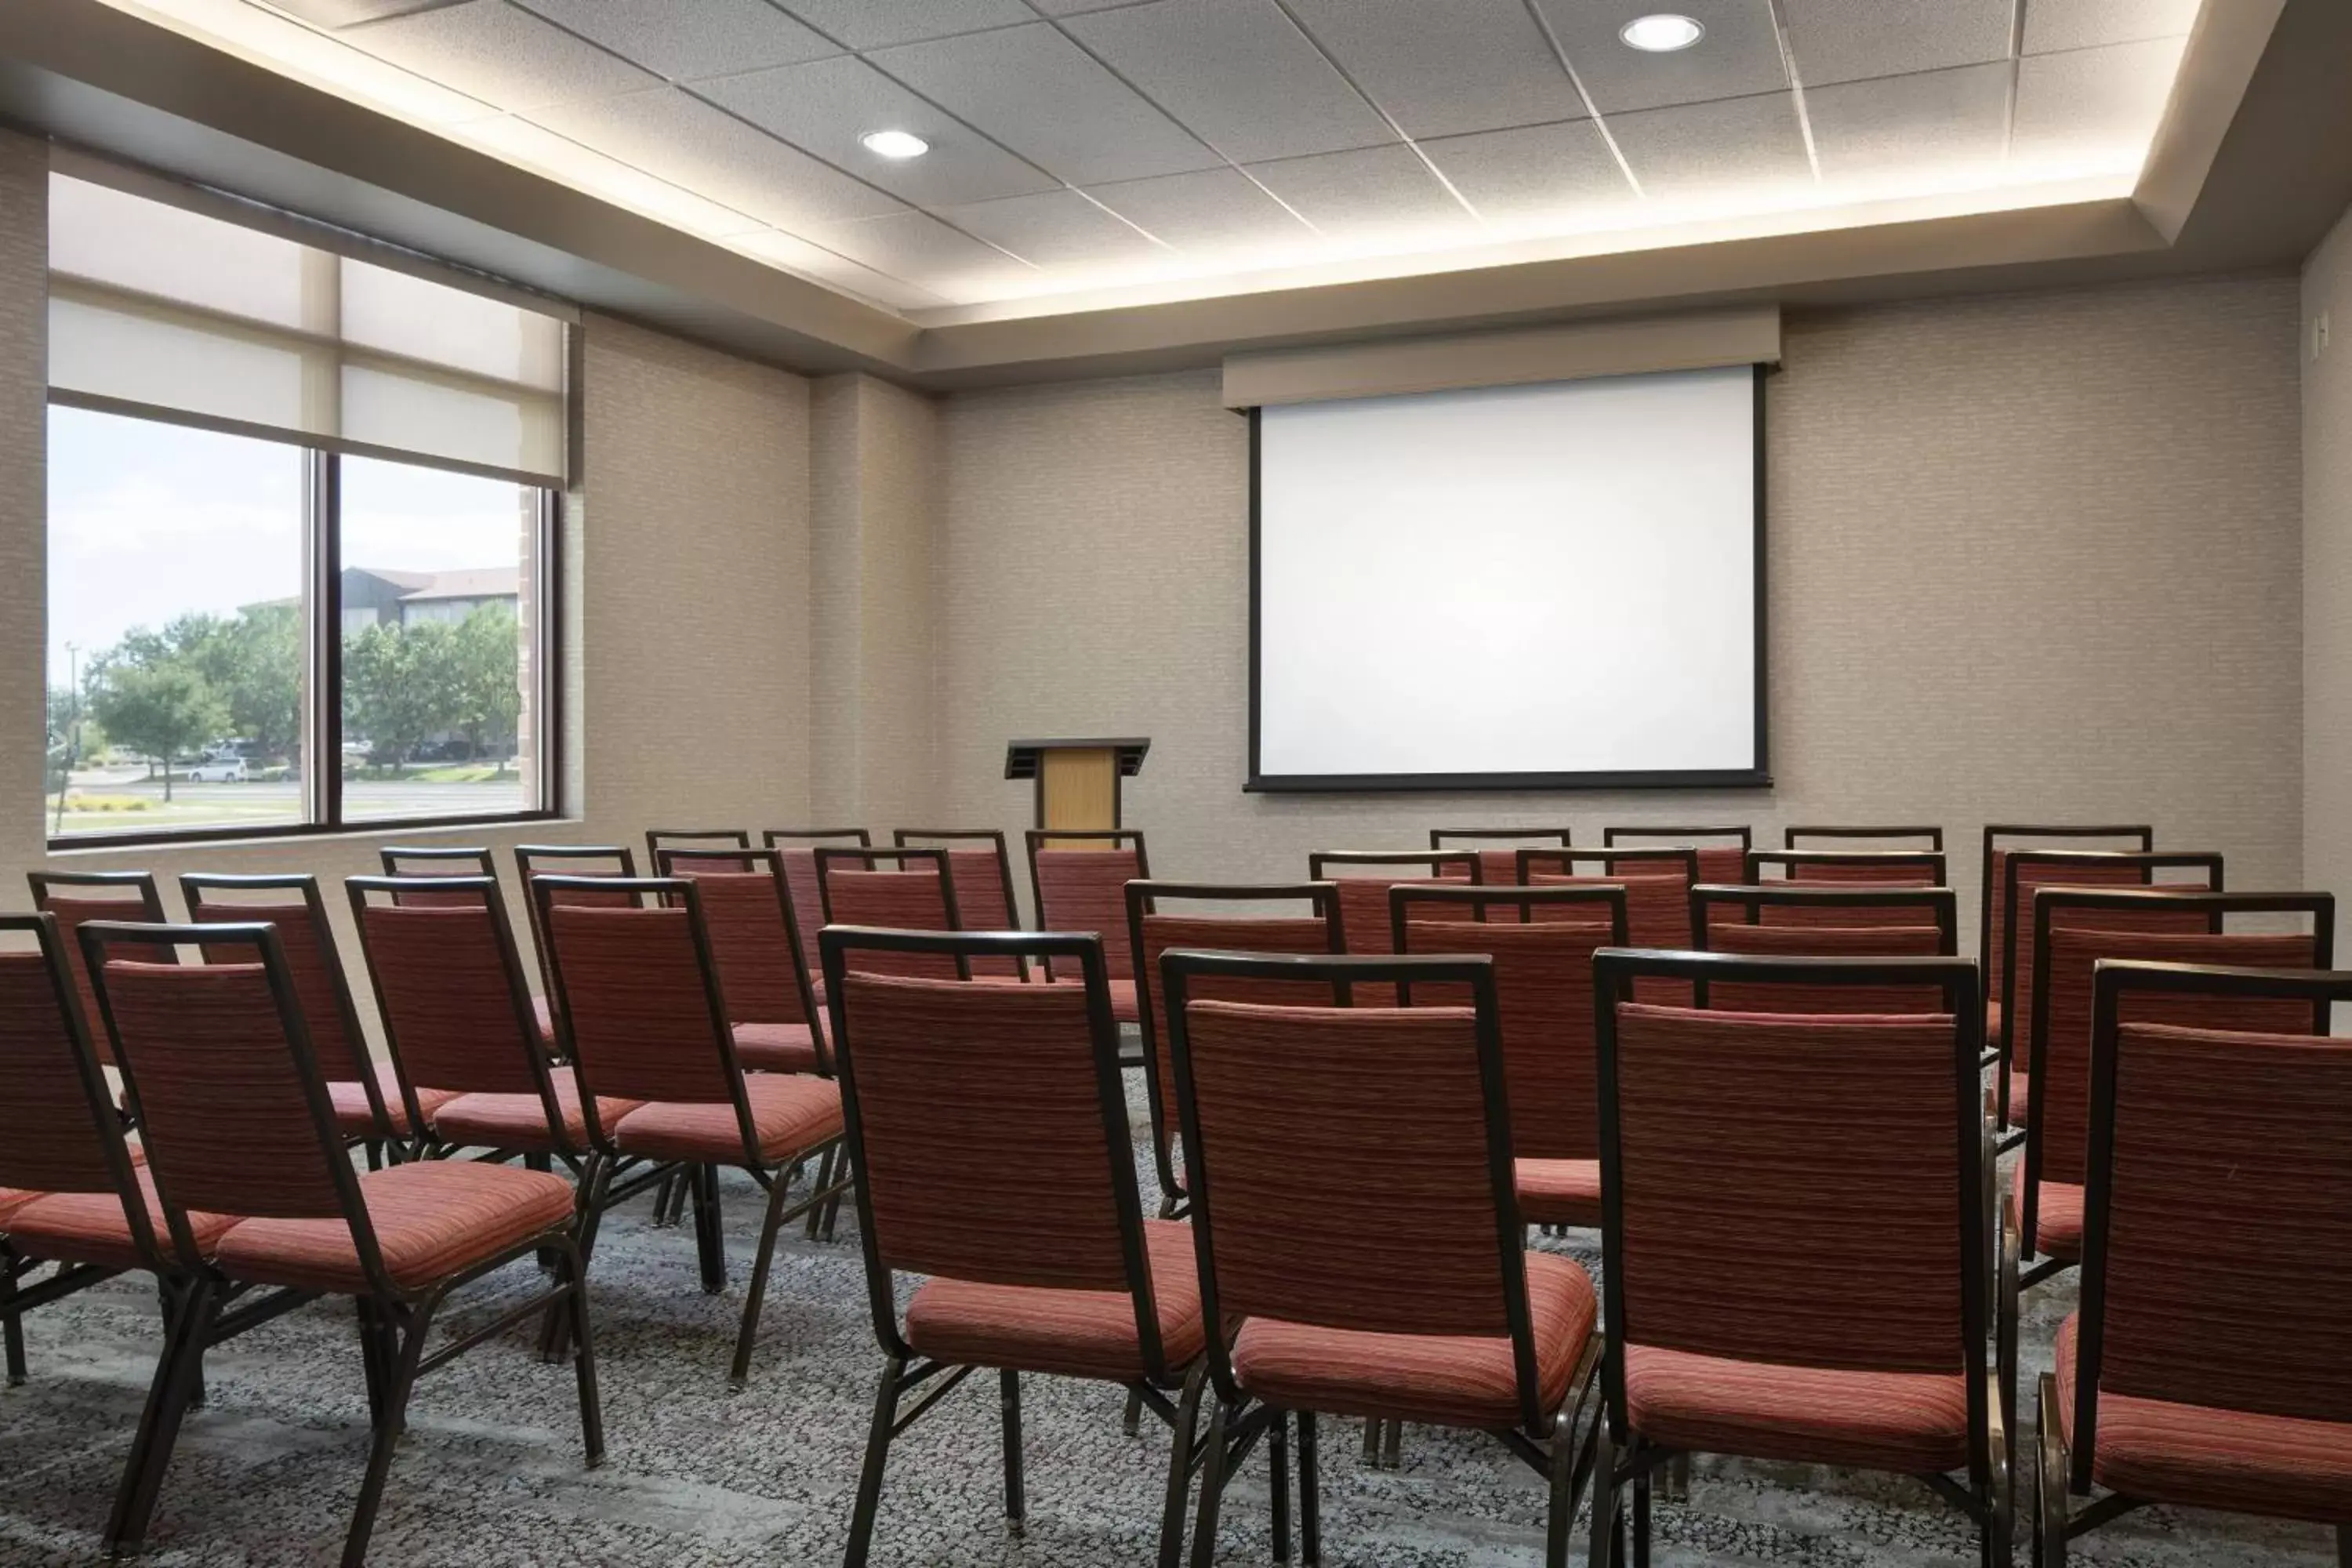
point(2021, 1098)
point(790, 1114)
point(433, 1219)
point(1123, 996)
point(2057, 1216)
point(1558, 1192)
point(1915, 1423)
point(11, 1200)
point(519, 1120)
point(775, 1047)
point(1071, 1333)
point(2200, 1456)
point(356, 1120)
point(1444, 1380)
point(91, 1227)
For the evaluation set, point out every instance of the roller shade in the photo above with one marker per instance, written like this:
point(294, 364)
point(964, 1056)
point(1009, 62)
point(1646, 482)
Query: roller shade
point(160, 310)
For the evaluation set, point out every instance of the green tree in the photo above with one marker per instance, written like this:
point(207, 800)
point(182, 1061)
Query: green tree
point(254, 660)
point(161, 710)
point(487, 663)
point(398, 686)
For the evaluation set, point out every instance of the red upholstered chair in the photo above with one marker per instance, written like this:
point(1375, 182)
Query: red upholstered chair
point(565, 861)
point(1993, 925)
point(1902, 922)
point(1722, 851)
point(1154, 931)
point(1657, 880)
point(1499, 860)
point(981, 870)
point(1077, 1283)
point(421, 864)
point(78, 896)
point(1849, 836)
point(1845, 869)
point(916, 894)
point(1363, 878)
point(2024, 872)
point(2211, 1362)
point(1078, 882)
point(1715, 1172)
point(798, 846)
point(2074, 930)
point(1317, 1137)
point(660, 838)
point(378, 1107)
point(644, 1017)
point(257, 1193)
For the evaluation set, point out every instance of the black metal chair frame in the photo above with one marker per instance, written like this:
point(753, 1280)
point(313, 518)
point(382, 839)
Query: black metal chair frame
point(993, 838)
point(1791, 862)
point(1788, 836)
point(1037, 838)
point(908, 856)
point(1545, 1440)
point(1940, 905)
point(150, 898)
point(1987, 1497)
point(904, 1369)
point(1611, 837)
point(1438, 836)
point(393, 1322)
point(393, 856)
point(2141, 836)
point(660, 838)
point(1435, 859)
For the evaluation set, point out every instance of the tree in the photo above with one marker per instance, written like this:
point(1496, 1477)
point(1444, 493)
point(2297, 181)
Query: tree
point(487, 661)
point(159, 709)
point(398, 686)
point(254, 660)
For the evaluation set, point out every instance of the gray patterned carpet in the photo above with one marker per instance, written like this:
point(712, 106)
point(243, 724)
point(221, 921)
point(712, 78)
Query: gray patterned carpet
point(491, 1474)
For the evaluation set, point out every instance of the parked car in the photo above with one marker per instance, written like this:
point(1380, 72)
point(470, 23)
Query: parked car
point(217, 770)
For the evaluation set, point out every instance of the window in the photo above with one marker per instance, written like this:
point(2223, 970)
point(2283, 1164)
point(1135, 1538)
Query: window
point(301, 507)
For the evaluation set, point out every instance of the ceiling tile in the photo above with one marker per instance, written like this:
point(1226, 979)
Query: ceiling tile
point(1237, 74)
point(2092, 110)
point(1441, 70)
point(1057, 228)
point(1930, 124)
point(824, 106)
point(673, 134)
point(346, 13)
point(812, 261)
point(872, 24)
point(1217, 209)
point(1377, 194)
point(1736, 148)
point(498, 54)
point(1544, 176)
point(918, 249)
point(1038, 93)
point(706, 39)
point(1740, 56)
point(2053, 25)
point(1846, 40)
point(518, 141)
point(1072, 7)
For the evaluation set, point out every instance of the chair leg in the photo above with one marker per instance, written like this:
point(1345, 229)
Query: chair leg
point(2005, 1312)
point(1213, 1487)
point(1392, 1449)
point(388, 1429)
point(1604, 1497)
point(1562, 1520)
point(1642, 1520)
point(1180, 1465)
point(1311, 1495)
point(12, 1326)
point(708, 1241)
point(1372, 1442)
point(372, 1359)
point(159, 1424)
point(595, 1182)
point(583, 1352)
point(777, 1188)
point(2050, 1481)
point(841, 1173)
point(869, 1476)
point(1277, 1459)
point(823, 1180)
point(666, 1193)
point(1016, 1503)
point(1131, 1421)
point(2344, 1546)
point(548, 1257)
point(1676, 1487)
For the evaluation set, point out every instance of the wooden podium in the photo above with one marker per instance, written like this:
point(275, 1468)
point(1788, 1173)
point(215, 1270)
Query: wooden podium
point(1078, 781)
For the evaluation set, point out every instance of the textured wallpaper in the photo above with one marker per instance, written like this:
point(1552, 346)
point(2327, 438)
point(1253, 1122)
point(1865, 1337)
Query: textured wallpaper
point(2327, 568)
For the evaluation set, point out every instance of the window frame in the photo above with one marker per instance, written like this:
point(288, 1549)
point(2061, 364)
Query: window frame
point(321, 796)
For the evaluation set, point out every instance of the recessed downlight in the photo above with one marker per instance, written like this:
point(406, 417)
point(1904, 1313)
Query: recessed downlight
point(895, 143)
point(1662, 34)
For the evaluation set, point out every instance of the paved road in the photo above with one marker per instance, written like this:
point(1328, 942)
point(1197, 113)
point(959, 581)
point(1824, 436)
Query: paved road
point(260, 805)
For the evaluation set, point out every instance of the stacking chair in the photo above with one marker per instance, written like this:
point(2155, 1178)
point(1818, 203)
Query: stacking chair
point(1297, 1121)
point(1152, 931)
point(1498, 848)
point(1865, 837)
point(918, 894)
point(1078, 880)
point(1845, 867)
point(1657, 881)
point(2211, 1362)
point(2073, 933)
point(798, 846)
point(565, 861)
point(1847, 921)
point(78, 896)
point(1715, 1173)
point(941, 1085)
point(755, 945)
point(1993, 925)
point(377, 1107)
point(981, 871)
point(255, 1191)
point(1364, 900)
point(660, 838)
point(422, 863)
point(646, 1018)
point(1722, 851)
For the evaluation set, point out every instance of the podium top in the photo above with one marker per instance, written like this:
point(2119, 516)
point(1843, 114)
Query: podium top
point(1023, 758)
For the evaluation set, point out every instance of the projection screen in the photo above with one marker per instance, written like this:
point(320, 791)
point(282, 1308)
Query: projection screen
point(1549, 586)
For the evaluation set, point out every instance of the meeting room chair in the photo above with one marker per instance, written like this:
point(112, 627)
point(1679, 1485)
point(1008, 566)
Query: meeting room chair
point(2209, 1362)
point(1073, 1281)
point(660, 838)
point(1722, 851)
point(916, 892)
point(798, 846)
point(1314, 1135)
point(1844, 922)
point(982, 869)
point(1715, 1172)
point(420, 864)
point(257, 1193)
point(1077, 882)
point(1152, 931)
point(1363, 891)
point(1498, 848)
point(1657, 879)
point(1863, 837)
point(565, 860)
point(78, 896)
point(644, 1017)
point(1999, 838)
point(1838, 867)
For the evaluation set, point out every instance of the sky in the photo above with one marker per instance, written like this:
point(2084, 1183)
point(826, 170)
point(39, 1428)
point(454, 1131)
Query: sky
point(148, 522)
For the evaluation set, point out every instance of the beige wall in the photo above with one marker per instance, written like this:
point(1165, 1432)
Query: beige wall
point(2327, 568)
point(2031, 557)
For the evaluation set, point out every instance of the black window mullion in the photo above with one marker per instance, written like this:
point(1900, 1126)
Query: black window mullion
point(327, 652)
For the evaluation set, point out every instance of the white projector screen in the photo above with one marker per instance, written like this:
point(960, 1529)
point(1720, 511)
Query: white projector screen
point(1549, 586)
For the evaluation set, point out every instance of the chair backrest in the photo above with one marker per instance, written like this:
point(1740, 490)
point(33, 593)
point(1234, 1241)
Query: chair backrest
point(1901, 923)
point(1543, 993)
point(2024, 872)
point(1351, 1166)
point(1845, 868)
point(660, 838)
point(59, 1130)
point(2075, 930)
point(1714, 1159)
point(233, 1108)
point(418, 866)
point(1363, 878)
point(1999, 838)
point(78, 896)
point(939, 1079)
point(981, 871)
point(642, 1011)
point(1722, 851)
point(1863, 836)
point(798, 846)
point(2218, 1213)
point(1078, 877)
point(916, 894)
point(573, 861)
point(1498, 848)
point(754, 938)
point(1657, 879)
point(450, 985)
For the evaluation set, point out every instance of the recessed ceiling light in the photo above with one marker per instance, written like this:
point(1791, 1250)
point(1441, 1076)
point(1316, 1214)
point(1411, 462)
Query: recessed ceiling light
point(895, 143)
point(1662, 34)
